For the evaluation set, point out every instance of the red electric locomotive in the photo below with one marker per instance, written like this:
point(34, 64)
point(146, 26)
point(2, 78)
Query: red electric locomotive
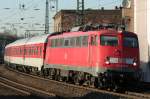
point(104, 57)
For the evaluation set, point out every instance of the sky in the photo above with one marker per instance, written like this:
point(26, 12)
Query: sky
point(33, 19)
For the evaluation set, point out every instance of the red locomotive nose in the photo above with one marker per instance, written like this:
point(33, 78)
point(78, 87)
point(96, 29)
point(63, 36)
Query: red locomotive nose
point(117, 52)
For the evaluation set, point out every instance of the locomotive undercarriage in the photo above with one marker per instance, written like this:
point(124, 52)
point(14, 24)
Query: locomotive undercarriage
point(75, 77)
point(111, 80)
point(117, 80)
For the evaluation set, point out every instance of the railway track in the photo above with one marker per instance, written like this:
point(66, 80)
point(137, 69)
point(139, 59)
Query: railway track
point(140, 95)
point(69, 90)
point(24, 89)
point(3, 83)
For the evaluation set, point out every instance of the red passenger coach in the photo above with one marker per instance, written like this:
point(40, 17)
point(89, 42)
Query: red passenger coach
point(94, 54)
point(29, 52)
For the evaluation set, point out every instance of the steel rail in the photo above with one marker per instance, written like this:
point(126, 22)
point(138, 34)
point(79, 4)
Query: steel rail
point(77, 89)
point(24, 89)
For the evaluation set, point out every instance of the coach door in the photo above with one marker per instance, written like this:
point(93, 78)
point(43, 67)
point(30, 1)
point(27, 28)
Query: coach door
point(93, 49)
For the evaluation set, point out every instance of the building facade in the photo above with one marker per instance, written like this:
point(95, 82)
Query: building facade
point(66, 19)
point(142, 28)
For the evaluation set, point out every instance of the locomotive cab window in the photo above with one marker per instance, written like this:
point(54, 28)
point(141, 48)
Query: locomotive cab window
point(94, 40)
point(109, 40)
point(131, 42)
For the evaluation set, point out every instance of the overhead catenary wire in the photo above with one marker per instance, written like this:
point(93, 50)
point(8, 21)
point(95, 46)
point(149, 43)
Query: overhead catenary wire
point(17, 11)
point(16, 14)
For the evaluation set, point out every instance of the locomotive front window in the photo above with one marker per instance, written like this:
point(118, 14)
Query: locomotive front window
point(130, 42)
point(109, 40)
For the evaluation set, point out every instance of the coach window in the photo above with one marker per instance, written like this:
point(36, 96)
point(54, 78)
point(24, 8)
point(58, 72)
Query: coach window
point(40, 50)
point(78, 41)
point(84, 40)
point(20, 51)
point(61, 42)
point(37, 50)
point(14, 51)
point(72, 41)
point(30, 50)
point(24, 51)
point(17, 51)
point(34, 50)
point(66, 42)
point(56, 42)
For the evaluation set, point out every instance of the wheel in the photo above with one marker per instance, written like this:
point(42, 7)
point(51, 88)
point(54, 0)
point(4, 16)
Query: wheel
point(76, 79)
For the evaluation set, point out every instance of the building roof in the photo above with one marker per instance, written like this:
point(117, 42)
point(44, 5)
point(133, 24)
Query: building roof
point(87, 11)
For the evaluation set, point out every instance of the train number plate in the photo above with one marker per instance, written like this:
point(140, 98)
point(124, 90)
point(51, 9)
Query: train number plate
point(113, 60)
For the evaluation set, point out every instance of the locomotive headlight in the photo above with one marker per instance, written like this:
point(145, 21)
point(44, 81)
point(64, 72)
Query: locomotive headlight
point(107, 61)
point(134, 63)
